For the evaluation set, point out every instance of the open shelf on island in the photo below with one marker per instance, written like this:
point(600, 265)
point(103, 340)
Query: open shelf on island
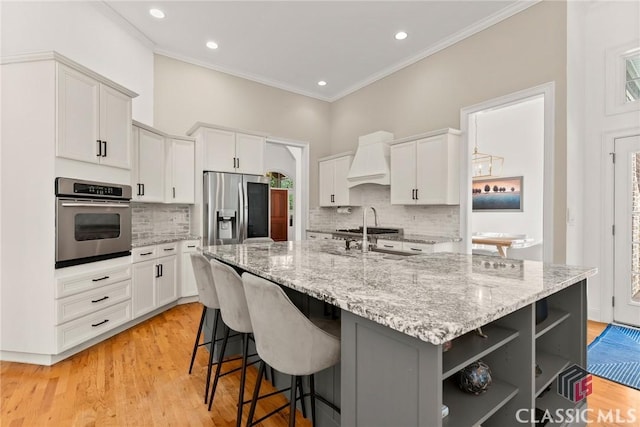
point(466, 409)
point(471, 347)
point(552, 401)
point(554, 318)
point(551, 366)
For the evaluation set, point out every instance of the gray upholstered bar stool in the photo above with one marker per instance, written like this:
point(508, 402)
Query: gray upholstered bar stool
point(287, 340)
point(235, 315)
point(209, 299)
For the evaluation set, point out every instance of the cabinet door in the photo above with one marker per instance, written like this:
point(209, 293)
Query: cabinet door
point(340, 182)
point(326, 172)
point(78, 116)
point(188, 286)
point(115, 125)
point(219, 150)
point(151, 175)
point(250, 154)
point(403, 173)
point(431, 174)
point(144, 292)
point(181, 170)
point(166, 284)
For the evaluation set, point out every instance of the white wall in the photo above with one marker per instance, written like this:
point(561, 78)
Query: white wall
point(596, 28)
point(515, 133)
point(278, 158)
point(83, 32)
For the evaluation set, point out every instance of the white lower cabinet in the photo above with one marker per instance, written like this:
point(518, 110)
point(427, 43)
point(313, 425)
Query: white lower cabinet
point(91, 303)
point(154, 280)
point(188, 286)
point(411, 247)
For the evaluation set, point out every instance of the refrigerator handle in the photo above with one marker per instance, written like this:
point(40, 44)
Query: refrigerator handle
point(242, 219)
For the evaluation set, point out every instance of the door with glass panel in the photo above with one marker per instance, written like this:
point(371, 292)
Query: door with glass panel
point(626, 307)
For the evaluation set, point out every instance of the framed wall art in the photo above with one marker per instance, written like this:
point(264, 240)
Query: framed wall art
point(497, 194)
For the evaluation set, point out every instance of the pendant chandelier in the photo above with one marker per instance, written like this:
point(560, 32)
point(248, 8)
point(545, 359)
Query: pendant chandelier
point(482, 164)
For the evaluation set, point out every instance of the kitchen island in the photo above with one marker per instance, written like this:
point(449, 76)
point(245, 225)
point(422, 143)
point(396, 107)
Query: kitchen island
point(397, 312)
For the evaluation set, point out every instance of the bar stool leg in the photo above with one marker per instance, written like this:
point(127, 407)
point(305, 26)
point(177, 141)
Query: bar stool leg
point(312, 386)
point(195, 345)
point(256, 393)
point(273, 376)
point(211, 351)
point(301, 392)
point(243, 375)
point(219, 365)
point(292, 405)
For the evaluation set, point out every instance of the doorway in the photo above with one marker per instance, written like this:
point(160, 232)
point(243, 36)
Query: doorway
point(626, 232)
point(468, 116)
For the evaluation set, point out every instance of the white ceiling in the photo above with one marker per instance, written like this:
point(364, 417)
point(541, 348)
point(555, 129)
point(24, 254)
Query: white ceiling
point(294, 44)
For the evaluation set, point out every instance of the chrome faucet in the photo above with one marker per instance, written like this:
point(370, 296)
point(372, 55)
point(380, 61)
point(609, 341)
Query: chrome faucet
point(365, 243)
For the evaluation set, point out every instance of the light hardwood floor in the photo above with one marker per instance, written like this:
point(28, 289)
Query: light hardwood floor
point(139, 378)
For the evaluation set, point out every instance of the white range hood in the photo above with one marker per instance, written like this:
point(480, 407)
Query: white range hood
point(371, 162)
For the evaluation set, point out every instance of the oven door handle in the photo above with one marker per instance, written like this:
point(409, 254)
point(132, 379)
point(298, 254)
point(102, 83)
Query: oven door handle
point(96, 205)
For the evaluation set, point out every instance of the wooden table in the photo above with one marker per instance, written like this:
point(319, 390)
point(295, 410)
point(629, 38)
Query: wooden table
point(501, 243)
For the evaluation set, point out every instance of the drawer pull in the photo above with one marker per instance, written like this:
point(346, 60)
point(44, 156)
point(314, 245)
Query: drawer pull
point(146, 253)
point(416, 249)
point(312, 237)
point(388, 246)
point(101, 299)
point(191, 246)
point(102, 278)
point(100, 323)
point(169, 249)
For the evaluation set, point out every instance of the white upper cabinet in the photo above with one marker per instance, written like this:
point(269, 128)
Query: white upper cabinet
point(426, 171)
point(148, 183)
point(250, 154)
point(94, 120)
point(227, 151)
point(332, 181)
point(180, 171)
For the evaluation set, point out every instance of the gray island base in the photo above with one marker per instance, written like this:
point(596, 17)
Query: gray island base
point(397, 312)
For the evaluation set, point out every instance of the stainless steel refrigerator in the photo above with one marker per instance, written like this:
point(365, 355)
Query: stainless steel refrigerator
point(235, 207)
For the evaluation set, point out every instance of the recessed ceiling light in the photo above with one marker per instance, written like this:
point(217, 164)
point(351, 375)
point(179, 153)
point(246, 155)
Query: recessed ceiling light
point(212, 45)
point(156, 13)
point(401, 35)
point(322, 83)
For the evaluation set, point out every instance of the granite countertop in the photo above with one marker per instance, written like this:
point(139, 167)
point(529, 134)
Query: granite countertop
point(155, 240)
point(435, 297)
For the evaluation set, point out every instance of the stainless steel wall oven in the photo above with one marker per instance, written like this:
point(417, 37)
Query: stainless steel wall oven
point(93, 221)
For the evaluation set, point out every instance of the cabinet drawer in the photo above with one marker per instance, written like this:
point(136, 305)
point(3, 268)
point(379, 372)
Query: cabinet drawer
point(80, 330)
point(144, 253)
point(389, 244)
point(79, 305)
point(424, 248)
point(72, 285)
point(189, 246)
point(167, 249)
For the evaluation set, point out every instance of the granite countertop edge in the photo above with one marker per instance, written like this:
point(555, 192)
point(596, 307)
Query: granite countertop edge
point(409, 237)
point(156, 240)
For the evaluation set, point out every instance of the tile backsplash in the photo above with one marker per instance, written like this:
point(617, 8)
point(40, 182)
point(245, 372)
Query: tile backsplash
point(157, 219)
point(428, 220)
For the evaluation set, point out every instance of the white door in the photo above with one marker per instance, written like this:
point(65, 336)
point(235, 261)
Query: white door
point(219, 150)
point(78, 116)
point(115, 128)
point(250, 154)
point(403, 173)
point(182, 171)
point(325, 182)
point(340, 182)
point(626, 308)
point(150, 171)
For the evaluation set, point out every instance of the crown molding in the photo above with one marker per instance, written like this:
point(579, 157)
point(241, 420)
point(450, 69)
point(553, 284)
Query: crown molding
point(104, 8)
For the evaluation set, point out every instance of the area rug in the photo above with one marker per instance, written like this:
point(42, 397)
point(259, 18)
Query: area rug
point(615, 355)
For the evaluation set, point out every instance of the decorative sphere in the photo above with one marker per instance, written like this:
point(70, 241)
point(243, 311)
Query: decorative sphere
point(475, 378)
